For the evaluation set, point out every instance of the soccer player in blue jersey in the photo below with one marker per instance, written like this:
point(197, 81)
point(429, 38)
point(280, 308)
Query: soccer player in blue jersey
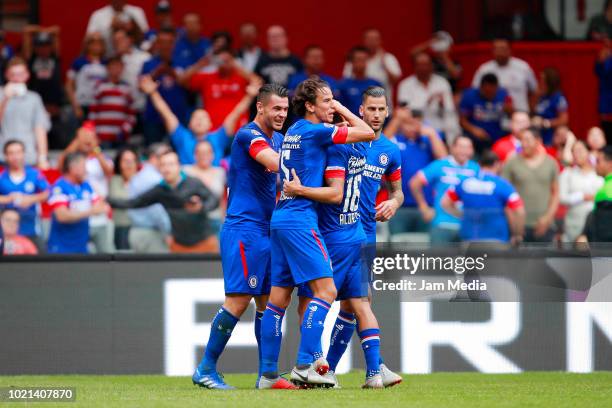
point(245, 243)
point(383, 163)
point(341, 228)
point(299, 254)
point(492, 210)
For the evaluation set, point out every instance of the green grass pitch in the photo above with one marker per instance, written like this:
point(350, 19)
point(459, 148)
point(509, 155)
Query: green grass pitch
point(533, 389)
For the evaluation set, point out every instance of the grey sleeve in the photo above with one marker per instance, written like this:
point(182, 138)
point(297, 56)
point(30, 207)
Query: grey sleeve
point(41, 117)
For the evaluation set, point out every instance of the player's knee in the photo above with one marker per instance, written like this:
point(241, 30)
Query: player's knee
point(236, 305)
point(328, 294)
point(346, 307)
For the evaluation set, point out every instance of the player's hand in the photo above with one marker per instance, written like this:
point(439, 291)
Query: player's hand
point(100, 207)
point(194, 205)
point(292, 187)
point(252, 88)
point(541, 226)
point(21, 200)
point(148, 85)
point(386, 210)
point(481, 134)
point(428, 131)
point(427, 213)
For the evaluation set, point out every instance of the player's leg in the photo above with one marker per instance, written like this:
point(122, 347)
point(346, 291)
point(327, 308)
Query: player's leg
point(305, 296)
point(341, 334)
point(369, 333)
point(221, 330)
point(260, 307)
point(309, 263)
point(272, 319)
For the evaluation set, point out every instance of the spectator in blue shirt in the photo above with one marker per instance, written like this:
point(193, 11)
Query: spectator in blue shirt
point(164, 69)
point(603, 69)
point(191, 45)
point(73, 201)
point(551, 110)
point(482, 110)
point(492, 209)
point(314, 63)
point(442, 174)
point(419, 145)
point(350, 89)
point(185, 139)
point(22, 188)
point(163, 18)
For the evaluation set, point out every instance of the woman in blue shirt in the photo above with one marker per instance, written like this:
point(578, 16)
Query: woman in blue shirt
point(552, 108)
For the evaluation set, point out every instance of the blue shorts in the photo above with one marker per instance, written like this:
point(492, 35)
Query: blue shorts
point(298, 256)
point(350, 272)
point(245, 257)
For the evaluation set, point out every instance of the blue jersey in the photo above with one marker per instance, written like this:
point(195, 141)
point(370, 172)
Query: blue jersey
point(340, 224)
point(169, 89)
point(187, 53)
point(34, 182)
point(484, 199)
point(549, 107)
point(442, 174)
point(416, 154)
point(184, 142)
point(350, 91)
point(382, 160)
point(70, 237)
point(304, 149)
point(252, 188)
point(483, 113)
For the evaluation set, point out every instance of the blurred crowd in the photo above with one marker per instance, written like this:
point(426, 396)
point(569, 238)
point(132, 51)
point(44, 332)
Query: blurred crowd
point(99, 159)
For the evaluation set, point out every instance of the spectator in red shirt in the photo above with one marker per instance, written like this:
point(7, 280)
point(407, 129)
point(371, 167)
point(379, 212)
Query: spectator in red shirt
point(15, 244)
point(221, 90)
point(112, 112)
point(509, 145)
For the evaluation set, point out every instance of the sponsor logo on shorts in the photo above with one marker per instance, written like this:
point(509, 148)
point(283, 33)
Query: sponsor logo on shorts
point(253, 282)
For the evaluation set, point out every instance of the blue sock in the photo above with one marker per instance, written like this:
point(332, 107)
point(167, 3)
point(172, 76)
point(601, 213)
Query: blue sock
point(220, 331)
point(312, 329)
point(370, 343)
point(340, 337)
point(258, 317)
point(271, 337)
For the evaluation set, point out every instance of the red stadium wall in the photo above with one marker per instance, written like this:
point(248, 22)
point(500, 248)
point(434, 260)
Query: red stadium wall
point(574, 60)
point(335, 25)
point(338, 25)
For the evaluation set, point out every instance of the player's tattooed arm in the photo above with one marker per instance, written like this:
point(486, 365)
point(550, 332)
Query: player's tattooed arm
point(386, 210)
point(358, 130)
point(333, 193)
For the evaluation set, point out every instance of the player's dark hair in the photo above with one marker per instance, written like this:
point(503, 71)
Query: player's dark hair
point(373, 91)
point(489, 79)
point(167, 30)
point(271, 89)
point(119, 157)
point(157, 149)
point(535, 131)
point(488, 158)
point(223, 34)
point(306, 91)
point(356, 49)
point(70, 159)
point(607, 152)
point(11, 142)
point(310, 48)
point(115, 59)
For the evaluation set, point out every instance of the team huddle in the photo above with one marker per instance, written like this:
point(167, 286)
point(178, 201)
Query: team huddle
point(331, 164)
